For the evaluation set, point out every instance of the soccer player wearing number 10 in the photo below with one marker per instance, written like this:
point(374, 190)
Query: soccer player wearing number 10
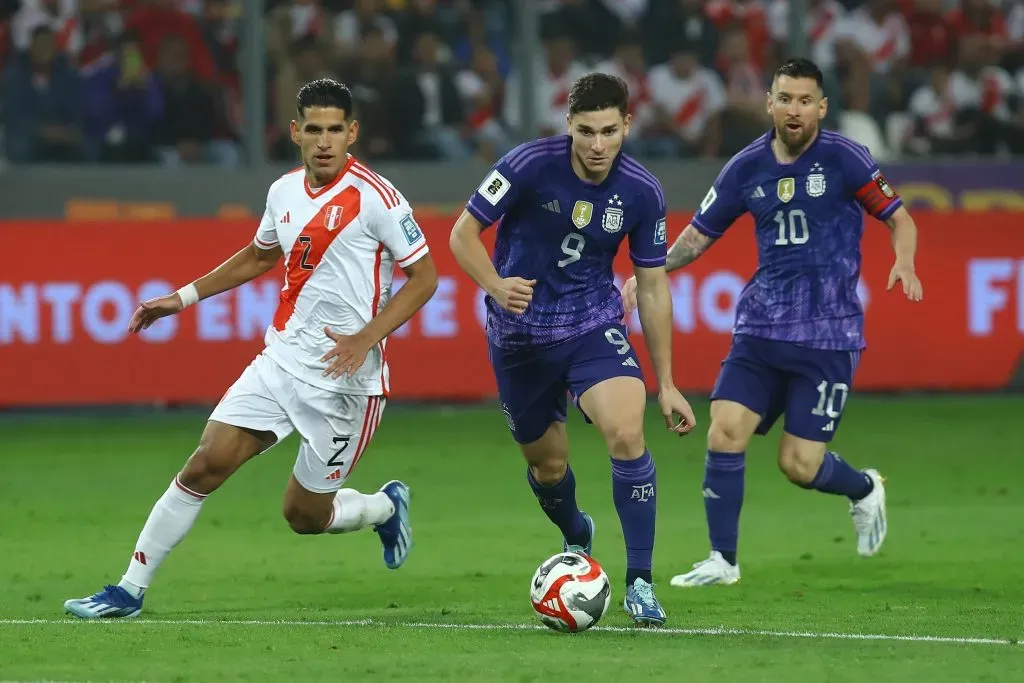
point(554, 314)
point(799, 321)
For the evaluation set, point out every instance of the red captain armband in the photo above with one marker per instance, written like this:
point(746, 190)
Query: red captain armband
point(877, 195)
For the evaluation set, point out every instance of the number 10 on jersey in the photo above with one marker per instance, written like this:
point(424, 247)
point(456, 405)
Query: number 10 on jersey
point(792, 227)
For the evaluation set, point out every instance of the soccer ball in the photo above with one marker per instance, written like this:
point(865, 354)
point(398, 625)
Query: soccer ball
point(570, 592)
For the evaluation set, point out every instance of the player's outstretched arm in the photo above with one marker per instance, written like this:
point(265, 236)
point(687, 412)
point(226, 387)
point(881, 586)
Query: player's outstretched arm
point(512, 293)
point(690, 244)
point(248, 264)
point(904, 244)
point(350, 351)
point(655, 304)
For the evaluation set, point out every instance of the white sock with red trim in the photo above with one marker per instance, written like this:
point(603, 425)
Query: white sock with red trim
point(352, 511)
point(171, 518)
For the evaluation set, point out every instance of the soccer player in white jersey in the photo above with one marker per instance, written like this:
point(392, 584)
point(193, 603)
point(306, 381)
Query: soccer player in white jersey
point(342, 229)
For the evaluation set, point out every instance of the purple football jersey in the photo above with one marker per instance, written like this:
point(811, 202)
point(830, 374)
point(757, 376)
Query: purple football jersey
point(564, 232)
point(809, 217)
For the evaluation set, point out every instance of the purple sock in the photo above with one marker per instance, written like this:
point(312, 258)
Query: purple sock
point(837, 476)
point(559, 504)
point(633, 489)
point(723, 500)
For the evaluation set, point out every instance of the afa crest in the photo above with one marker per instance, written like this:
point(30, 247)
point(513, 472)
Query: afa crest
point(582, 212)
point(611, 221)
point(786, 189)
point(816, 184)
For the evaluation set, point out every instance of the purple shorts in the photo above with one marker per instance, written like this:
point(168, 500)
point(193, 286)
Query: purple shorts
point(533, 382)
point(772, 378)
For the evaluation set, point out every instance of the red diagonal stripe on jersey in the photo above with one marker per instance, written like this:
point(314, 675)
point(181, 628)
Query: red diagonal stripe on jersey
point(368, 175)
point(690, 107)
point(309, 249)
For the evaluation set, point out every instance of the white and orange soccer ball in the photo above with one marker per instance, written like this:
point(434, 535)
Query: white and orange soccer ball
point(570, 592)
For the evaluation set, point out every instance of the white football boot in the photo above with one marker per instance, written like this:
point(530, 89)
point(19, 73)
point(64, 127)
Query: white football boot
point(869, 517)
point(714, 571)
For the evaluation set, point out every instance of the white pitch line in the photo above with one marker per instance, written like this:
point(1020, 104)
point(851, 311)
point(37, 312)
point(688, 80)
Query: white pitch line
point(720, 631)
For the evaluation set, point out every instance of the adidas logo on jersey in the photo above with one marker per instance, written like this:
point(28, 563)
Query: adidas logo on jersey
point(552, 207)
point(333, 476)
point(830, 427)
point(630, 363)
point(287, 217)
point(758, 193)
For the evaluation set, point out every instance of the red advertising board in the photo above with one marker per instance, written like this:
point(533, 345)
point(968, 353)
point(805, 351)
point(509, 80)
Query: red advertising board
point(67, 291)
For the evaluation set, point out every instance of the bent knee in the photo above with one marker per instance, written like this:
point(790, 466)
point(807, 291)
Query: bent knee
point(800, 467)
point(728, 435)
point(303, 521)
point(626, 442)
point(208, 467)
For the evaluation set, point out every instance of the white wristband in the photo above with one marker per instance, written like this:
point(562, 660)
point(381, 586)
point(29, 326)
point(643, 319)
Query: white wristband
point(189, 295)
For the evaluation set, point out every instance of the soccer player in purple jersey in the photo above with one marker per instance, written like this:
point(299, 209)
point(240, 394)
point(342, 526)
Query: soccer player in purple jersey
point(799, 321)
point(554, 314)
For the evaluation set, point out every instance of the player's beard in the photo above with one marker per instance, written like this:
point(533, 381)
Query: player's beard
point(797, 141)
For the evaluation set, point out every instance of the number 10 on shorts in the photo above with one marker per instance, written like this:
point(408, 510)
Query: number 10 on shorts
point(831, 399)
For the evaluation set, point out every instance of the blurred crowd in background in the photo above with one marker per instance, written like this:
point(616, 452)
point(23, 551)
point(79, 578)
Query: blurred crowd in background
point(158, 81)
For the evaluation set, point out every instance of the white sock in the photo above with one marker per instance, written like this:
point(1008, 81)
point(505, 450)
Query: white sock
point(352, 511)
point(171, 518)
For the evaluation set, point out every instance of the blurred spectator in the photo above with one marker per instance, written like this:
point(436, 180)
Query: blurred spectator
point(555, 75)
point(820, 24)
point(628, 63)
point(873, 43)
point(306, 62)
point(156, 20)
point(689, 99)
point(121, 105)
point(428, 114)
point(593, 27)
point(351, 24)
point(372, 81)
point(931, 38)
point(747, 16)
point(475, 36)
point(968, 110)
point(41, 104)
point(744, 116)
point(673, 20)
point(978, 17)
point(482, 90)
point(185, 134)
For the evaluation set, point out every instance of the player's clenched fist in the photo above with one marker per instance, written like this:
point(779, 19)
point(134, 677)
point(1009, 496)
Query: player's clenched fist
point(150, 311)
point(629, 295)
point(514, 294)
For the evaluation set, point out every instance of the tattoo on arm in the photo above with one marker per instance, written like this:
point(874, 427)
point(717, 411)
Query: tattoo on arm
point(687, 247)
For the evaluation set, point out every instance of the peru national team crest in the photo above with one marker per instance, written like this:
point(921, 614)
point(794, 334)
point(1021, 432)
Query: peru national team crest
point(787, 189)
point(612, 219)
point(332, 217)
point(582, 212)
point(816, 181)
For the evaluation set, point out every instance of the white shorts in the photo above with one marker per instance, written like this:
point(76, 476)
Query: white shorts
point(335, 428)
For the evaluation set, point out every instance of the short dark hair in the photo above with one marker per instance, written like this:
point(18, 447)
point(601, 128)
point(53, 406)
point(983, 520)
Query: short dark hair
point(800, 67)
point(598, 91)
point(324, 92)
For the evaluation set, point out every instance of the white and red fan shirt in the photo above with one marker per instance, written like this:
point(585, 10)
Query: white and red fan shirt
point(690, 102)
point(341, 243)
point(641, 104)
point(884, 43)
point(820, 24)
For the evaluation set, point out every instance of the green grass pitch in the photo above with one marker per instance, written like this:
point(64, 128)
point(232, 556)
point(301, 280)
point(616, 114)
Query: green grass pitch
point(242, 598)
